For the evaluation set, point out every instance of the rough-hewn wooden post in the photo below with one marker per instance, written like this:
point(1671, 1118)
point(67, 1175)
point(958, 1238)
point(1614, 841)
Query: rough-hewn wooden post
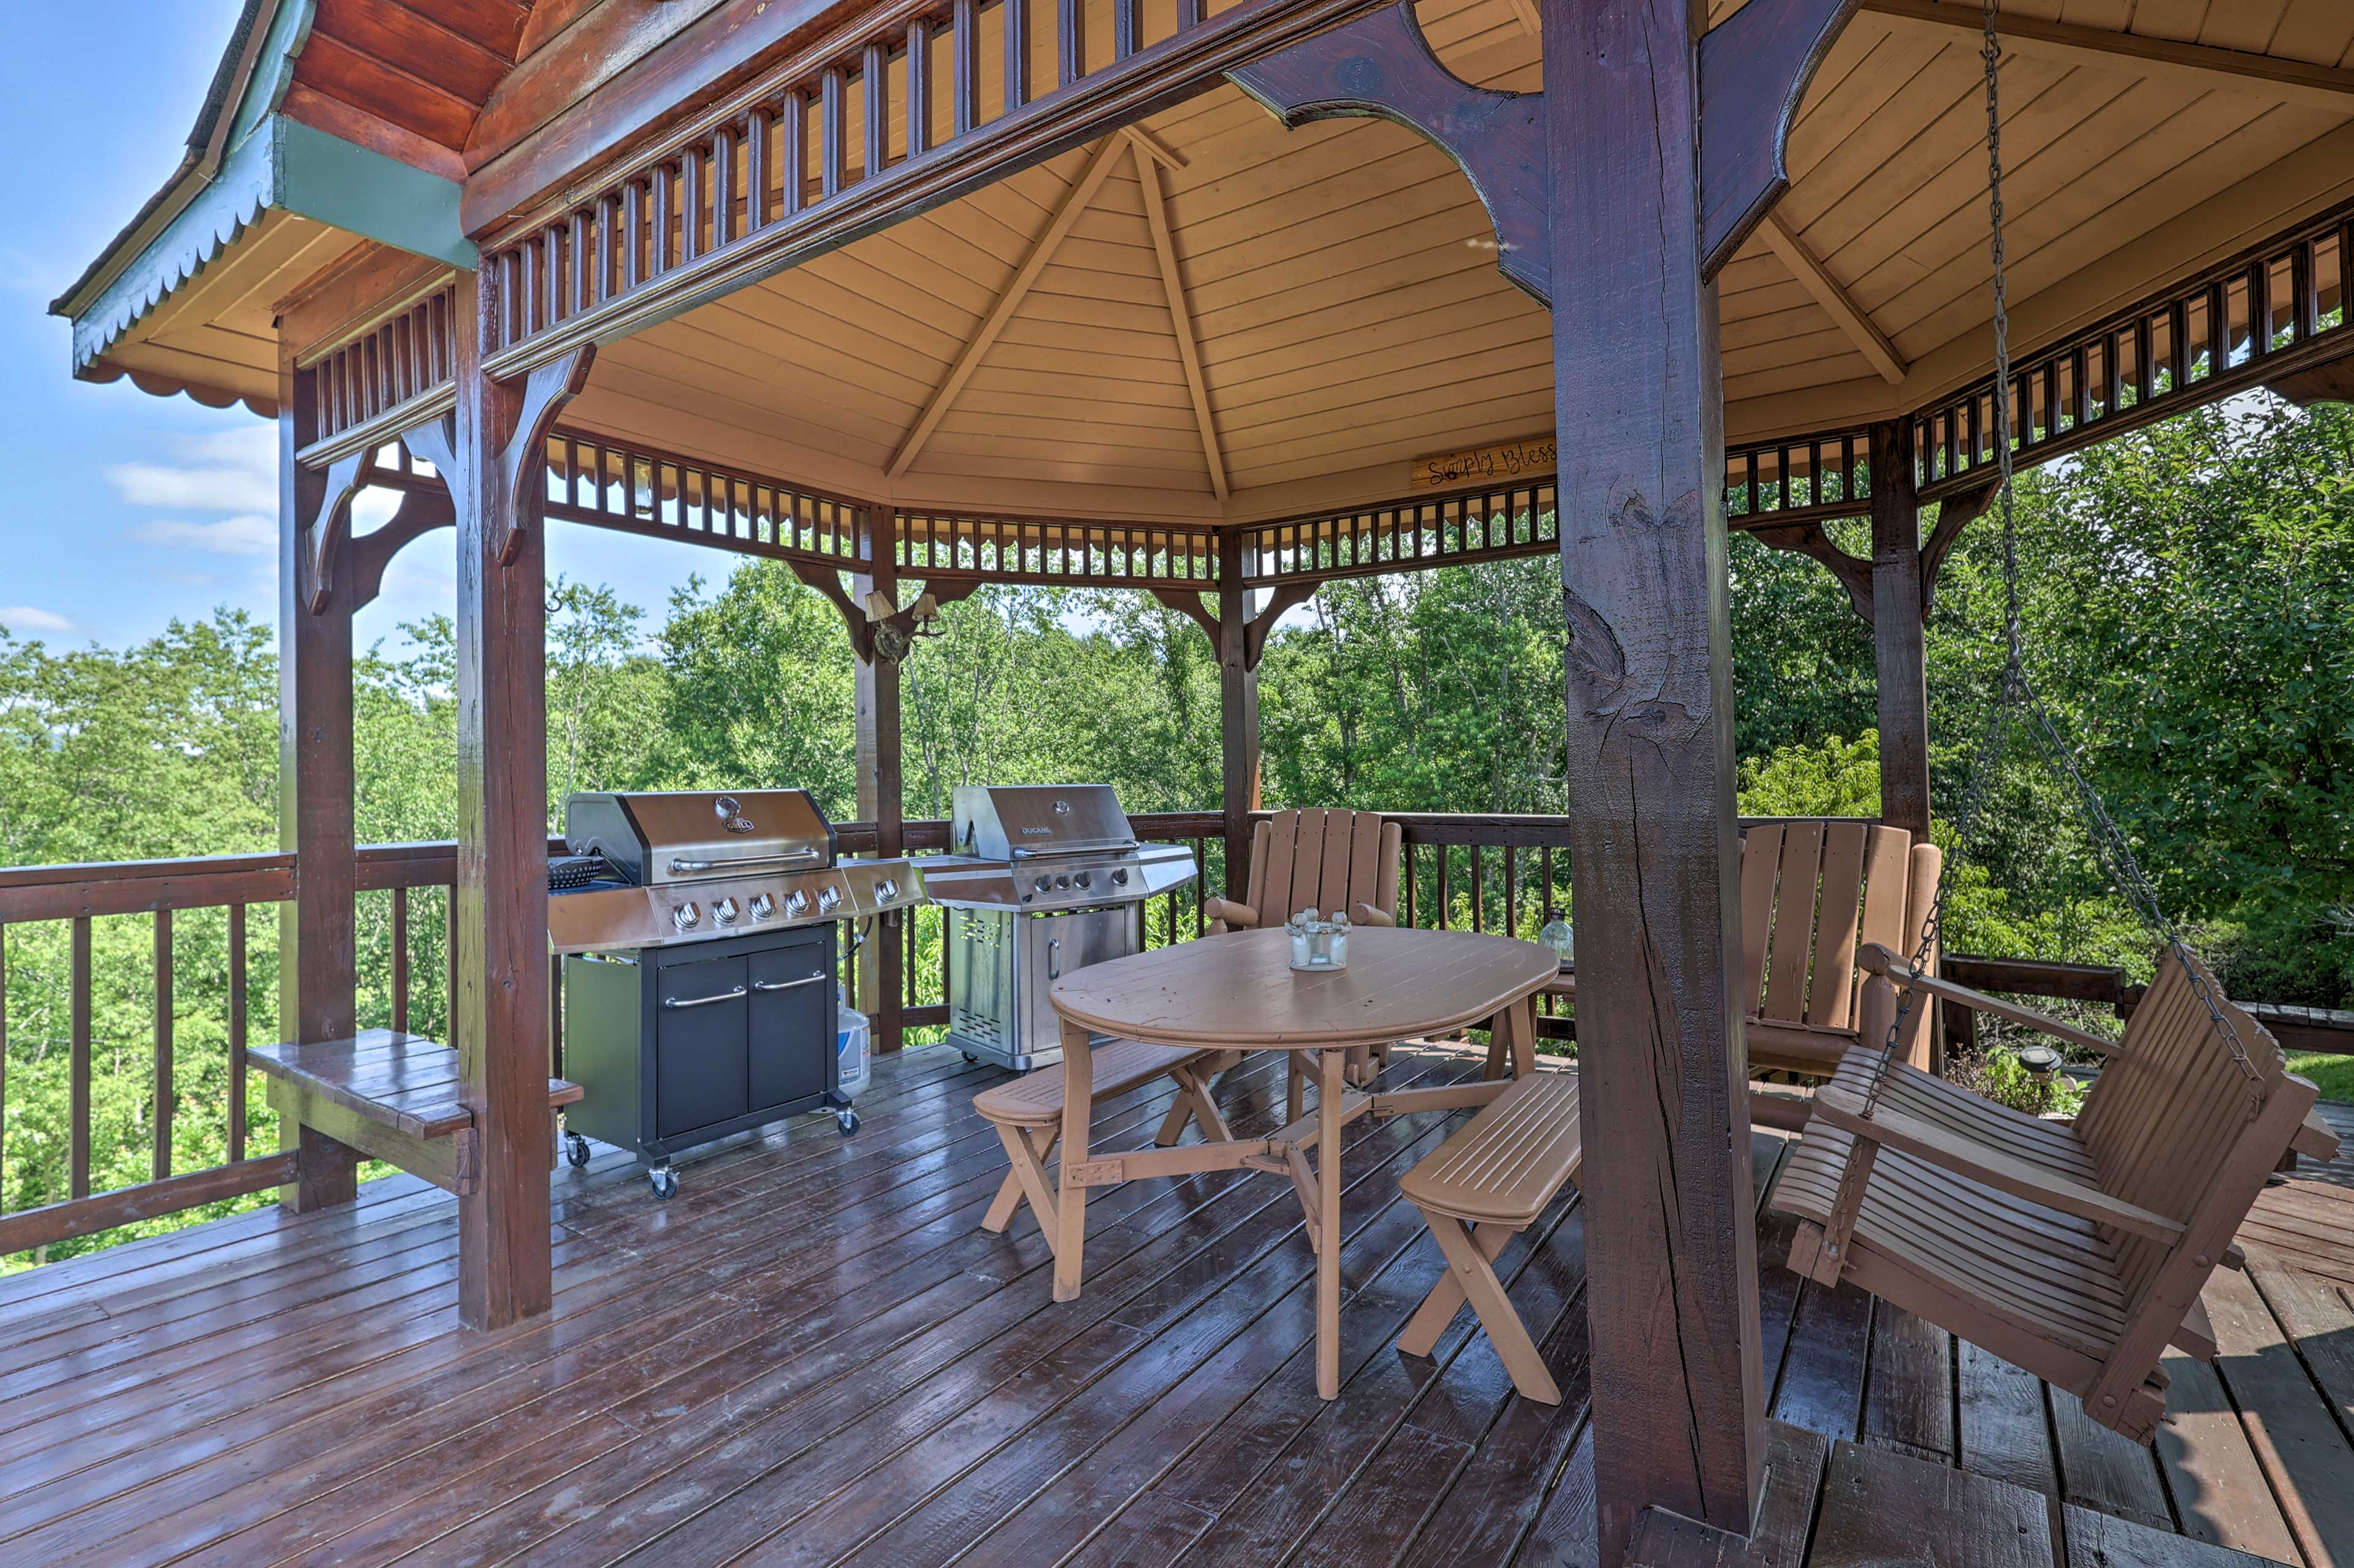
point(502, 1006)
point(318, 953)
point(1238, 712)
point(1898, 649)
point(881, 799)
point(1670, 1247)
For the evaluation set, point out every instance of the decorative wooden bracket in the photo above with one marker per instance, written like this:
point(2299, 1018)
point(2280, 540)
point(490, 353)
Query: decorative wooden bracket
point(1196, 605)
point(1955, 512)
point(325, 534)
point(1279, 601)
point(1381, 65)
point(887, 636)
point(546, 390)
point(1193, 604)
point(1854, 573)
point(421, 511)
point(827, 581)
point(1753, 69)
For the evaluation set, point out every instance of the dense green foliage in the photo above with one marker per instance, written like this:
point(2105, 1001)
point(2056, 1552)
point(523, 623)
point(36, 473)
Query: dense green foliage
point(2189, 612)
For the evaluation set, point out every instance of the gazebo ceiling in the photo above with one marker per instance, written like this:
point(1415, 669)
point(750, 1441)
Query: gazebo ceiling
point(1215, 317)
point(1025, 348)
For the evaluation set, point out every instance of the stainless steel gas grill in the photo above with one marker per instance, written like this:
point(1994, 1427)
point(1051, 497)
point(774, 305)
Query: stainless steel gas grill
point(1044, 879)
point(700, 940)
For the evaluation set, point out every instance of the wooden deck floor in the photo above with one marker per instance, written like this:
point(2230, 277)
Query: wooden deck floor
point(814, 1356)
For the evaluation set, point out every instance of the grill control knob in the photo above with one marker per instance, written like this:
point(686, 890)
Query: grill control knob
point(887, 890)
point(1045, 883)
point(1084, 879)
point(1119, 879)
point(827, 899)
point(1062, 882)
point(725, 911)
point(796, 903)
point(686, 916)
point(762, 907)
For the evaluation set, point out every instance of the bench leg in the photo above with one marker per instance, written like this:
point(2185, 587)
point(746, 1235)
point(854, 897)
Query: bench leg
point(1496, 1315)
point(1446, 1298)
point(1026, 1156)
point(1194, 1104)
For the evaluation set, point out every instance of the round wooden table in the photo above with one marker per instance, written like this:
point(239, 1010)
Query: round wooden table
point(1238, 992)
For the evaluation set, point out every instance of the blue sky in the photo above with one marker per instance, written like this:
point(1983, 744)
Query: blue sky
point(120, 511)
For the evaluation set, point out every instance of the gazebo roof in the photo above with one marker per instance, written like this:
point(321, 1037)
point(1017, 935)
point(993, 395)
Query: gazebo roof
point(1212, 317)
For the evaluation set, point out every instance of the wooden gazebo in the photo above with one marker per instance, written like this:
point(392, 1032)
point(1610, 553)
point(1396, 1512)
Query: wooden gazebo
point(1215, 302)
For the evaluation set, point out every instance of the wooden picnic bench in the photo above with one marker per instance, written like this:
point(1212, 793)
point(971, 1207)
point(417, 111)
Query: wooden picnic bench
point(1491, 1178)
point(394, 1098)
point(1028, 1115)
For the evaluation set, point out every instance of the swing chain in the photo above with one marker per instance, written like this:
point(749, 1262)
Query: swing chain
point(2015, 692)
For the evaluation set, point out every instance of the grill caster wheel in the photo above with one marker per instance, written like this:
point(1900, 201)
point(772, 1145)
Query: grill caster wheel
point(665, 1182)
point(576, 1149)
point(970, 1060)
point(847, 1120)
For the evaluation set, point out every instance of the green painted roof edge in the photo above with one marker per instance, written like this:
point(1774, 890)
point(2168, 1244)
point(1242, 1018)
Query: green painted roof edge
point(272, 162)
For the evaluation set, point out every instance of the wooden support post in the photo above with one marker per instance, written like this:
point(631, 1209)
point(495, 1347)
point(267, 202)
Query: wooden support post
point(1898, 649)
point(881, 799)
point(318, 953)
point(1238, 711)
point(1670, 1236)
point(499, 1014)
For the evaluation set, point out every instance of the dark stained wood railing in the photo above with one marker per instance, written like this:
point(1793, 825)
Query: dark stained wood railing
point(1448, 528)
point(1807, 478)
point(196, 989)
point(2258, 317)
point(192, 975)
point(841, 139)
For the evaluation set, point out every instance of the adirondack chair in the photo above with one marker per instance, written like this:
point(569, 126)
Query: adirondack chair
point(2076, 1252)
point(1812, 889)
point(1325, 860)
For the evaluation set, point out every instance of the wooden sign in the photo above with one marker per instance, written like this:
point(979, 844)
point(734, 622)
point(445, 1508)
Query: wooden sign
point(1484, 465)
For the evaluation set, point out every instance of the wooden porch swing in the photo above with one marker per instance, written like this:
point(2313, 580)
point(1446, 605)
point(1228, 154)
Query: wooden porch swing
point(2078, 1251)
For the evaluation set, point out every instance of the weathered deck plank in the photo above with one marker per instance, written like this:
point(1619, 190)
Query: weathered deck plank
point(813, 1355)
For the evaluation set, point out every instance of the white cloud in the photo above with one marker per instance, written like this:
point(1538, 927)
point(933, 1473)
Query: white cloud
point(245, 534)
point(25, 618)
point(232, 471)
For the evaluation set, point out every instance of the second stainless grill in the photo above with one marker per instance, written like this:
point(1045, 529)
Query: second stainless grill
point(1045, 879)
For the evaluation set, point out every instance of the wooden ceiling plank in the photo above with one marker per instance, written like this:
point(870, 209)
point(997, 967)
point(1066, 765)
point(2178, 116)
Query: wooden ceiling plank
point(1834, 299)
point(1074, 202)
point(2266, 76)
point(1181, 317)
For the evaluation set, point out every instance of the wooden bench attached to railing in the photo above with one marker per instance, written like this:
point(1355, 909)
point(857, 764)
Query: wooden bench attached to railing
point(394, 1098)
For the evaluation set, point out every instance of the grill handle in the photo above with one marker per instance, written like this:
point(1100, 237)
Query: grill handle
point(1054, 957)
point(789, 985)
point(702, 1000)
point(691, 867)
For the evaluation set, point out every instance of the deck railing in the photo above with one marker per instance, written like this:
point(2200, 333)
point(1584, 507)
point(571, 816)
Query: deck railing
point(141, 985)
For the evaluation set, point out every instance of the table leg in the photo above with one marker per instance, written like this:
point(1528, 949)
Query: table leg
point(1329, 1091)
point(1071, 1206)
point(1522, 1017)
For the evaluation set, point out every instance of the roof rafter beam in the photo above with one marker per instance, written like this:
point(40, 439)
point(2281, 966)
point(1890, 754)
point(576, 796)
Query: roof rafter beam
point(2202, 65)
point(1074, 202)
point(1869, 340)
point(1181, 320)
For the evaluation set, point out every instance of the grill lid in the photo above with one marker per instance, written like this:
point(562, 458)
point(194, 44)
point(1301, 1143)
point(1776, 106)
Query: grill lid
point(695, 835)
point(1026, 822)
